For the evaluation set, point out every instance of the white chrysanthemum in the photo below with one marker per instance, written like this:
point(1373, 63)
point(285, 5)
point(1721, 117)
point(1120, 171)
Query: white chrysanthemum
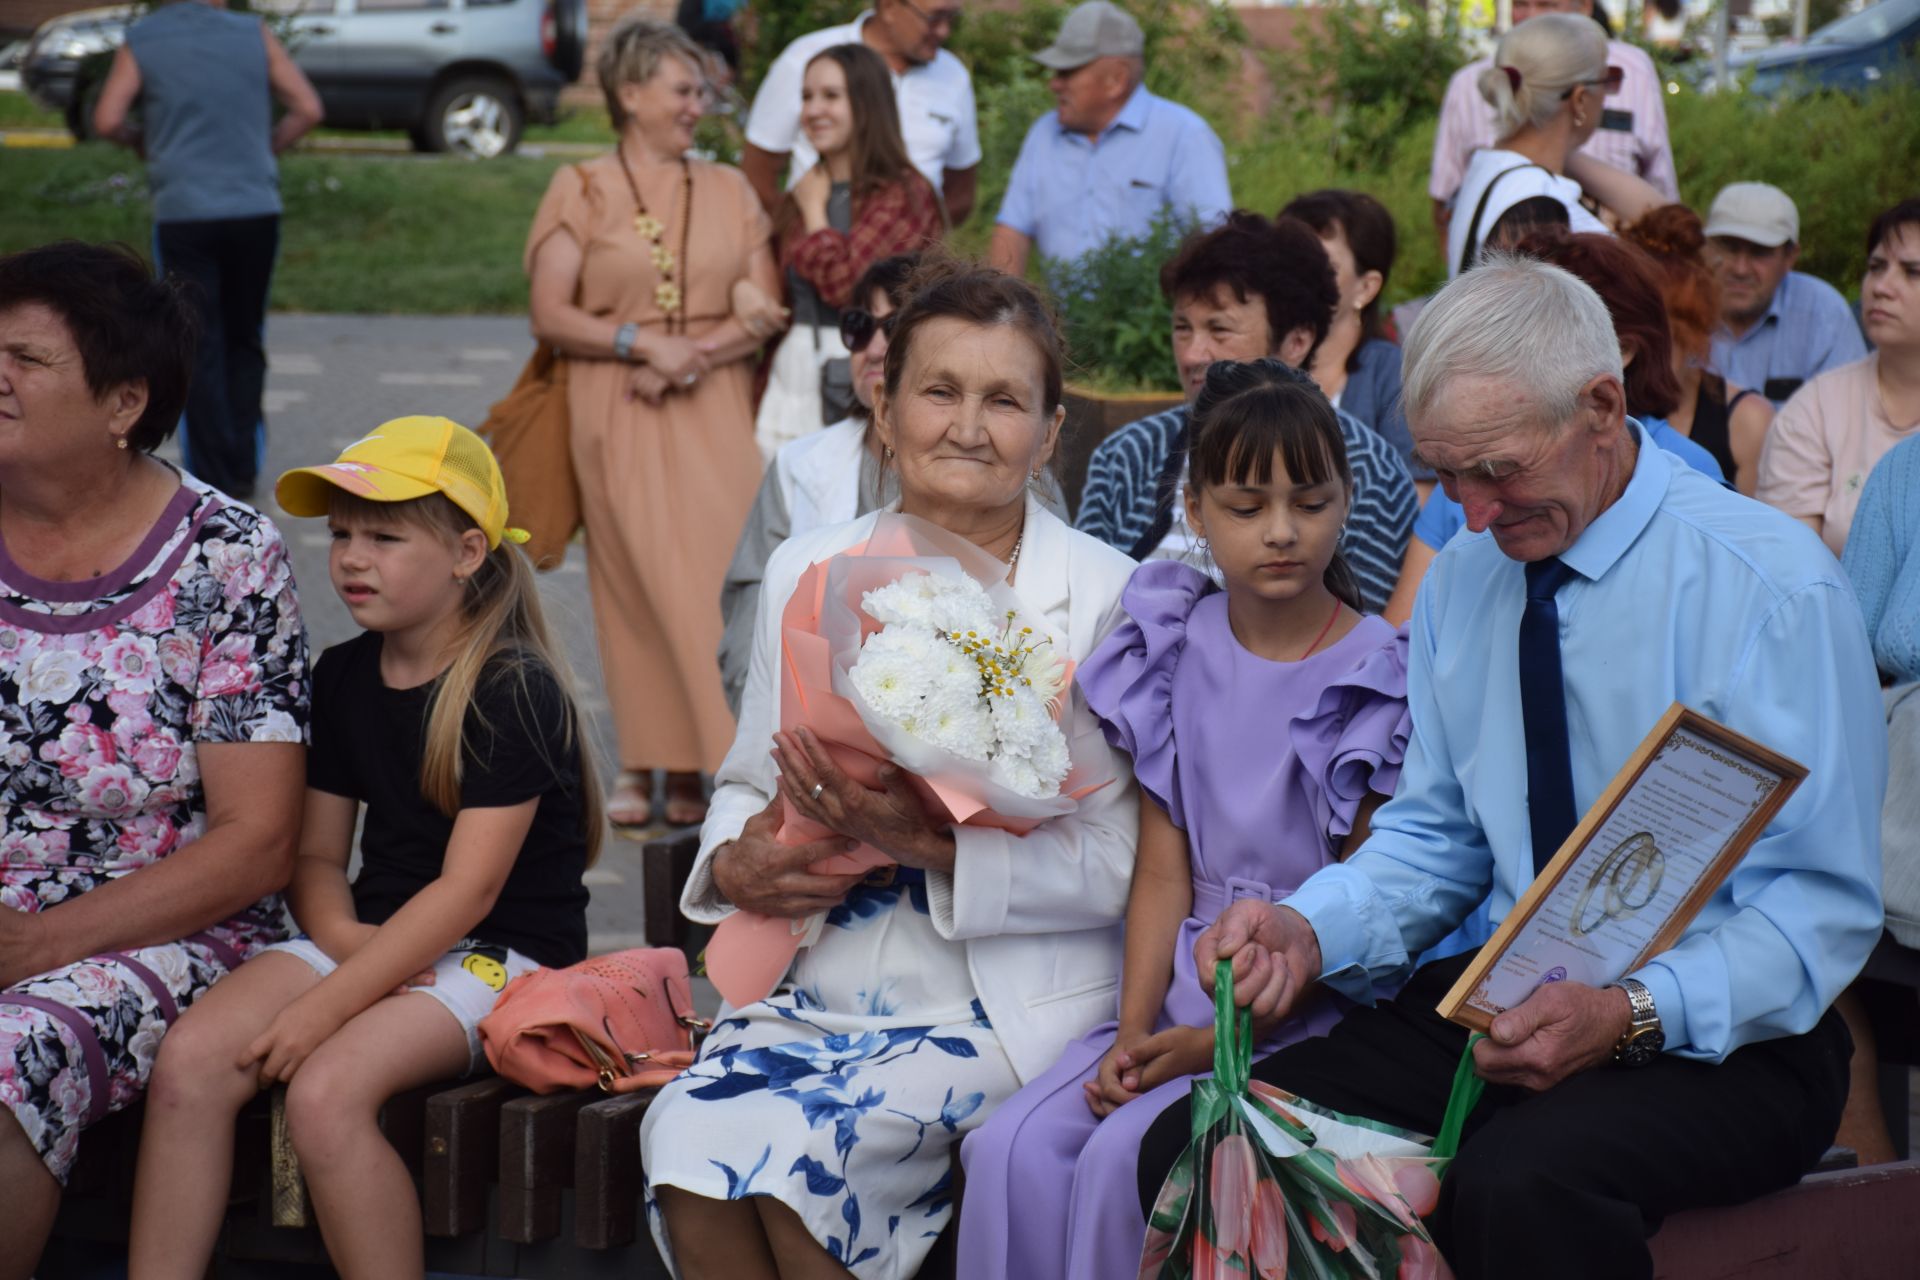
point(1020, 777)
point(903, 601)
point(1018, 718)
point(893, 672)
point(1050, 759)
point(959, 724)
point(924, 599)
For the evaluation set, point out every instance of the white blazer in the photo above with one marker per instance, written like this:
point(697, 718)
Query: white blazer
point(1040, 913)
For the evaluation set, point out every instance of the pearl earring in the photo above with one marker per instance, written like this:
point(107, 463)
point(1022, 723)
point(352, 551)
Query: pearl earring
point(120, 443)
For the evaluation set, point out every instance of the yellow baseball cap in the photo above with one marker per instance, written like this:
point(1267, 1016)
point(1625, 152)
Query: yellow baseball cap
point(405, 459)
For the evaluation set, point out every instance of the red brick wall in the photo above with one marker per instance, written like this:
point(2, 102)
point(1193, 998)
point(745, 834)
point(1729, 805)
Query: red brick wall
point(601, 15)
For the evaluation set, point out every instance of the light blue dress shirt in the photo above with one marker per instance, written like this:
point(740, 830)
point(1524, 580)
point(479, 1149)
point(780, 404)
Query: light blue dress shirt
point(1069, 193)
point(1442, 517)
point(1808, 329)
point(1683, 591)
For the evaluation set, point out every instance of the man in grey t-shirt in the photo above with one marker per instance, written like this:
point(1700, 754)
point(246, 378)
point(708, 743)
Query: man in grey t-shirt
point(206, 81)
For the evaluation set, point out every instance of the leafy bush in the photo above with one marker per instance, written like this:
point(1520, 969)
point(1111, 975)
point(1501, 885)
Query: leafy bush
point(1842, 159)
point(1376, 69)
point(1116, 319)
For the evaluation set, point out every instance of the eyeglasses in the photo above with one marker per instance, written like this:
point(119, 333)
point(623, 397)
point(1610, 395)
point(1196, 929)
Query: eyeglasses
point(1610, 82)
point(857, 328)
point(948, 18)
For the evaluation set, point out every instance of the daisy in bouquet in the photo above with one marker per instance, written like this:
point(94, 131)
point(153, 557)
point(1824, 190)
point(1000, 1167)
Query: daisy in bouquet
point(909, 650)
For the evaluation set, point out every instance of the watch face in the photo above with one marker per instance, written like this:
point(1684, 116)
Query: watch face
point(1642, 1048)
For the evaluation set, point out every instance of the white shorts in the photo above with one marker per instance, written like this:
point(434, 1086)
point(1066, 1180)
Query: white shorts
point(467, 980)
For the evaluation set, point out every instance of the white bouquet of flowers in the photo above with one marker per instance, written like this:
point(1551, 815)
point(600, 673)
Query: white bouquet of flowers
point(946, 670)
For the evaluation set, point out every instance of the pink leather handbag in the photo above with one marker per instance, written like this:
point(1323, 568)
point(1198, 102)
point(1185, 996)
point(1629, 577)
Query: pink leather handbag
point(623, 1021)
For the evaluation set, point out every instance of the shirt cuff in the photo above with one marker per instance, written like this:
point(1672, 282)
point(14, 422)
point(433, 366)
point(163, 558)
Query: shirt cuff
point(1328, 904)
point(971, 901)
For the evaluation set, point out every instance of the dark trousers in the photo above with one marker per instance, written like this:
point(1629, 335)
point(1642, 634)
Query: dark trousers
point(1570, 1182)
point(228, 265)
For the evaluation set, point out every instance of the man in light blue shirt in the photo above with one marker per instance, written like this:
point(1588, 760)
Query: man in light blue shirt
point(1674, 589)
point(1778, 327)
point(1111, 155)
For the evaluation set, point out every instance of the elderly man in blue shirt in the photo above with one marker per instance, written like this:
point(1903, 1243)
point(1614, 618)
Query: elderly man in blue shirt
point(1604, 580)
point(1778, 327)
point(1110, 156)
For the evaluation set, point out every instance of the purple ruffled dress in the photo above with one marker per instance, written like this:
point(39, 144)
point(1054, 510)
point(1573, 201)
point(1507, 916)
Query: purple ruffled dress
point(1264, 766)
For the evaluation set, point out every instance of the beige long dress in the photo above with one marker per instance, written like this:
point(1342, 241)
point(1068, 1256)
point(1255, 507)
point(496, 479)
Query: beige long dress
point(663, 492)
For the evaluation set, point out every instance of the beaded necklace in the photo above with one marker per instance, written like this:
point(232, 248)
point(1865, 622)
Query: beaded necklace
point(668, 295)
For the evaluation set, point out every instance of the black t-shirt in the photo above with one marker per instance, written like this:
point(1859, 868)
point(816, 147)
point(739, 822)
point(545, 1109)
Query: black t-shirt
point(368, 742)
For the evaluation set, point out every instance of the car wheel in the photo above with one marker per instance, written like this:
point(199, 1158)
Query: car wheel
point(474, 116)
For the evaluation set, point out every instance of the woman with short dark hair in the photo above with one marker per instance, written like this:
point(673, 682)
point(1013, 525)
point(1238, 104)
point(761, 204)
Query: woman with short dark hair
point(1827, 438)
point(1357, 367)
point(153, 671)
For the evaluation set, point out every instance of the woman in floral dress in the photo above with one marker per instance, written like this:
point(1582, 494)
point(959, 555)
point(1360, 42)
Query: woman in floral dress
point(153, 709)
point(819, 1126)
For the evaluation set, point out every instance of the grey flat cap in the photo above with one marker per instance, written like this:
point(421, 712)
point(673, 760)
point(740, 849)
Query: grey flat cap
point(1096, 29)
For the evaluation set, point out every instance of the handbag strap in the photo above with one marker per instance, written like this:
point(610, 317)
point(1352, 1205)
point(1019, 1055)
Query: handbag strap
point(1470, 247)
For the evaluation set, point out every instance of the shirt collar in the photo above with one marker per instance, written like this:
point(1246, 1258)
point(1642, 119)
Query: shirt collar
point(1604, 541)
point(1133, 114)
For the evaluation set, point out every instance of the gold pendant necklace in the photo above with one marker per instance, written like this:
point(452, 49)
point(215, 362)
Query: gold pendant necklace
point(669, 295)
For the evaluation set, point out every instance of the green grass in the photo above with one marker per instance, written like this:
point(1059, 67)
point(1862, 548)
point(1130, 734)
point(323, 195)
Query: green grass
point(578, 124)
point(368, 233)
point(17, 111)
point(361, 233)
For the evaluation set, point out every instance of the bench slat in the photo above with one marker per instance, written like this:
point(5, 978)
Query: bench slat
point(1852, 1223)
point(606, 1172)
point(536, 1163)
point(462, 1152)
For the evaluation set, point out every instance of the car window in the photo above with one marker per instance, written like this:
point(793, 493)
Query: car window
point(395, 6)
point(294, 8)
point(1870, 24)
point(487, 4)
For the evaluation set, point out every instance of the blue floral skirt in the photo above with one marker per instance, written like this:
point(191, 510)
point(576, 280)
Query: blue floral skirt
point(844, 1094)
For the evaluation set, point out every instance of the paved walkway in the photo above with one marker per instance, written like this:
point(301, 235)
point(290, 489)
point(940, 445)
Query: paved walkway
point(331, 380)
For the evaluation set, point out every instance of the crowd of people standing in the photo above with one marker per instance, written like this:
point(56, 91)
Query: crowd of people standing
point(1347, 621)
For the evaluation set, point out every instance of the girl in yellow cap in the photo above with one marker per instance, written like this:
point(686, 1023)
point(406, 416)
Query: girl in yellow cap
point(450, 721)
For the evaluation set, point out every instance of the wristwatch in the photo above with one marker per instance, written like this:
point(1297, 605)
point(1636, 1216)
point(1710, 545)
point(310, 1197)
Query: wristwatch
point(623, 339)
point(1644, 1039)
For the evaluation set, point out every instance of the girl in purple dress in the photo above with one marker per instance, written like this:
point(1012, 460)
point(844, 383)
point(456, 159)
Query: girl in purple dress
point(1266, 722)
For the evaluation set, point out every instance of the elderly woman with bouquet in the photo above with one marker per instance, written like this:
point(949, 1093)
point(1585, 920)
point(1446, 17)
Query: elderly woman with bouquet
point(819, 1124)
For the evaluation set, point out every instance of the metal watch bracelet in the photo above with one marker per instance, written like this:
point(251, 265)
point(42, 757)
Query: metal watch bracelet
point(623, 339)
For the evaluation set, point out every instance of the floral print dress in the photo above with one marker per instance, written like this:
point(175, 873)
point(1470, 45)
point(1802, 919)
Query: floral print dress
point(107, 686)
point(845, 1091)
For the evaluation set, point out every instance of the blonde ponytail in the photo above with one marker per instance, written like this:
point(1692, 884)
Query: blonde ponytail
point(1534, 66)
point(502, 623)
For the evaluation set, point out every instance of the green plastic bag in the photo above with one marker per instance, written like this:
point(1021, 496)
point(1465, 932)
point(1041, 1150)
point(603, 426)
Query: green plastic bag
point(1273, 1186)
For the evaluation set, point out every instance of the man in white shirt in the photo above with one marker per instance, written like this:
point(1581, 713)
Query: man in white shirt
point(931, 86)
point(1633, 123)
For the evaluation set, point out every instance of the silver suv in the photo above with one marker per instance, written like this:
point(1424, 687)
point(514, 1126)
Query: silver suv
point(457, 75)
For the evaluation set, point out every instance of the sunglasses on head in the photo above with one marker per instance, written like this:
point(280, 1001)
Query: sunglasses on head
point(857, 327)
point(1610, 82)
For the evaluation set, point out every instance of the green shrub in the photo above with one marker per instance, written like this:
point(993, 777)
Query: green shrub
point(1376, 70)
point(1116, 320)
point(1843, 160)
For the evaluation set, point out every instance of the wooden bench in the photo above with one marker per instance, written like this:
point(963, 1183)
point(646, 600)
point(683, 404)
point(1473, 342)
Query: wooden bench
point(514, 1184)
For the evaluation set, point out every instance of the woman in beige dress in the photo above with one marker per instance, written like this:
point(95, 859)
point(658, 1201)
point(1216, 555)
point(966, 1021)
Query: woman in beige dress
point(633, 258)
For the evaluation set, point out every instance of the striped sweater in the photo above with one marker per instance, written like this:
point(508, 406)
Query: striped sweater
point(1127, 502)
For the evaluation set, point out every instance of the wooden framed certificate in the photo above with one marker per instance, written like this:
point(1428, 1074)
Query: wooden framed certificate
point(1666, 832)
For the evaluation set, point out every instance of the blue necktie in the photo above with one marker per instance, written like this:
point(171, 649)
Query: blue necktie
point(1543, 712)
